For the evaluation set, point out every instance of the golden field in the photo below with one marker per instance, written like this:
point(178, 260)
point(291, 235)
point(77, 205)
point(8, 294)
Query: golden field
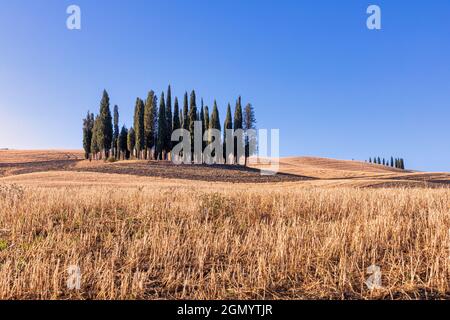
point(136, 234)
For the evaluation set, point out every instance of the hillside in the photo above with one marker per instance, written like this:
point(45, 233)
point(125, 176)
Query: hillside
point(43, 166)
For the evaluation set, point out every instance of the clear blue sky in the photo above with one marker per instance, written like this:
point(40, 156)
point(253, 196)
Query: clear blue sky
point(310, 68)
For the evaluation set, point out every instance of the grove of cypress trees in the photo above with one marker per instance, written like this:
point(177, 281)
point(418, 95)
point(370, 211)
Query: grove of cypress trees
point(162, 130)
point(249, 123)
point(227, 125)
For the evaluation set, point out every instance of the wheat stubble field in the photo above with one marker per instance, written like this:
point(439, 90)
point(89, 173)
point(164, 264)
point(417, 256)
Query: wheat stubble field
point(141, 231)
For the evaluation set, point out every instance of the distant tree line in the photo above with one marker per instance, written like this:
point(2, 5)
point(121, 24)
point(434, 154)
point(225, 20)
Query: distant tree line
point(149, 138)
point(398, 163)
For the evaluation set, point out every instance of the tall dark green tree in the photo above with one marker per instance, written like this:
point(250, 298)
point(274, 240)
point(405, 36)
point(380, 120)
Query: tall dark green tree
point(185, 112)
point(150, 116)
point(122, 144)
point(249, 123)
point(131, 141)
point(95, 146)
point(402, 164)
point(169, 120)
point(115, 132)
point(206, 113)
point(88, 125)
point(392, 162)
point(214, 123)
point(192, 117)
point(139, 127)
point(237, 126)
point(202, 119)
point(105, 134)
point(176, 116)
point(162, 129)
point(228, 125)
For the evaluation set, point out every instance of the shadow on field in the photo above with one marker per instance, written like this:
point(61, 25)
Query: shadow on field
point(166, 169)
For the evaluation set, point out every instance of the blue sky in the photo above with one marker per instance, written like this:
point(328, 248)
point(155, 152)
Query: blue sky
point(310, 68)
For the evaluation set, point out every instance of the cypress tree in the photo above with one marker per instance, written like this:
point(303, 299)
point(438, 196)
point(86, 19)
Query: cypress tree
point(131, 141)
point(384, 162)
point(379, 160)
point(215, 118)
point(162, 131)
point(206, 113)
point(392, 161)
point(192, 117)
point(122, 144)
point(115, 132)
point(88, 125)
point(237, 125)
point(227, 125)
point(139, 127)
point(202, 119)
point(370, 160)
point(169, 120)
point(105, 133)
point(95, 147)
point(249, 123)
point(150, 115)
point(176, 116)
point(181, 119)
point(185, 112)
point(214, 123)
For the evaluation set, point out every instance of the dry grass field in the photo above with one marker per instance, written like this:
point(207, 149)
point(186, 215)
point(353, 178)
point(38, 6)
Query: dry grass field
point(136, 233)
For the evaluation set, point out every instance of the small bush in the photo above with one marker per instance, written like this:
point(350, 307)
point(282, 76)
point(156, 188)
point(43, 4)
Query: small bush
point(3, 245)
